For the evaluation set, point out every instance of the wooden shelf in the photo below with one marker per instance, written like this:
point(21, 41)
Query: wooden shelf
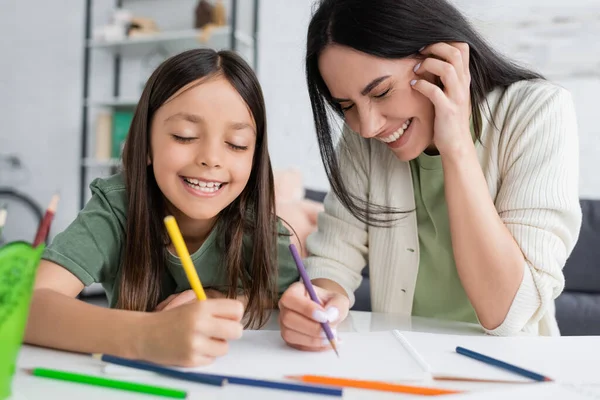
point(171, 42)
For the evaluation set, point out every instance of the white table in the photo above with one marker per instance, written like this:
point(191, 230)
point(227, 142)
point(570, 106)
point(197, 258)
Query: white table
point(26, 387)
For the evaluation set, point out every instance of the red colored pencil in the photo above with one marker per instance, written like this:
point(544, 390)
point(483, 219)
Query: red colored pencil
point(44, 228)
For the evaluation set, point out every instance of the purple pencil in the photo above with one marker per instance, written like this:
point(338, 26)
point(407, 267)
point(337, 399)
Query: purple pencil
point(313, 295)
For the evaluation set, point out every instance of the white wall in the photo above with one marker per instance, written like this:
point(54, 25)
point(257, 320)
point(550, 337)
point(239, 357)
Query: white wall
point(41, 51)
point(41, 59)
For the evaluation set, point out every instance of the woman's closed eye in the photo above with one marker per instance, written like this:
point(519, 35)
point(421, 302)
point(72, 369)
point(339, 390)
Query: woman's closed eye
point(346, 108)
point(383, 94)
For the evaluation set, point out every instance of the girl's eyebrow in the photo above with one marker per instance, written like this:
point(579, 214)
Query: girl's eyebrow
point(185, 116)
point(238, 126)
point(194, 118)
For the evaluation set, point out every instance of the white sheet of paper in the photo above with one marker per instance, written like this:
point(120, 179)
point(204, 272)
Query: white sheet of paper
point(371, 355)
point(545, 391)
point(567, 359)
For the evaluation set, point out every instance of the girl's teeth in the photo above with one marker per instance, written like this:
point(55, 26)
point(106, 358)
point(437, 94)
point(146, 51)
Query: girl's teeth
point(207, 187)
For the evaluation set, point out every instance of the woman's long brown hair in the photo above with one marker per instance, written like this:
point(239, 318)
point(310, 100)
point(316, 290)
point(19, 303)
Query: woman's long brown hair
point(250, 216)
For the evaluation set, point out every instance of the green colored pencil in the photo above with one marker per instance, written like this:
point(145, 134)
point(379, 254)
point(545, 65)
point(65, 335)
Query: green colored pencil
point(110, 383)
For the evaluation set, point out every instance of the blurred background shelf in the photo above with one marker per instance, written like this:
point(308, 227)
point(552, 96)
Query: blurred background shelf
point(112, 103)
point(125, 41)
point(93, 163)
point(172, 41)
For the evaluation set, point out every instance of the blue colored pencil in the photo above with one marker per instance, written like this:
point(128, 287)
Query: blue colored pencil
point(206, 378)
point(502, 364)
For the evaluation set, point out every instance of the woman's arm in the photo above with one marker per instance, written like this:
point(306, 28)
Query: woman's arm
point(509, 251)
point(58, 320)
point(510, 254)
point(338, 250)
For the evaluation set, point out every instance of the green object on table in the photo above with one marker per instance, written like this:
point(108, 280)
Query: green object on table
point(18, 266)
point(109, 383)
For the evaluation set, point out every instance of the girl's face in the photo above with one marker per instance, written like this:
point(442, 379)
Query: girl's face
point(202, 147)
point(377, 99)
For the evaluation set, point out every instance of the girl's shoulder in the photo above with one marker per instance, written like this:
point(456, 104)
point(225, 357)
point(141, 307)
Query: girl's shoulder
point(113, 183)
point(110, 193)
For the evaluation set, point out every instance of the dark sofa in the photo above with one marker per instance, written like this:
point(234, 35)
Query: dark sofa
point(578, 307)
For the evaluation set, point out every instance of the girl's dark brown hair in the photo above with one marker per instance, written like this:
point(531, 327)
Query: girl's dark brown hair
point(250, 216)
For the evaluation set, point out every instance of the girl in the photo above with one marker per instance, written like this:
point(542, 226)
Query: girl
point(197, 149)
point(455, 179)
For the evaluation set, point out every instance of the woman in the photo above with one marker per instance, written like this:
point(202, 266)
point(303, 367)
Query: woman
point(455, 178)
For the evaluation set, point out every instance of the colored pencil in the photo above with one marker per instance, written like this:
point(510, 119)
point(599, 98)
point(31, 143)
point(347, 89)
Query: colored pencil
point(372, 385)
point(184, 255)
point(313, 295)
point(3, 215)
point(108, 383)
point(501, 364)
point(234, 380)
point(146, 366)
point(42, 232)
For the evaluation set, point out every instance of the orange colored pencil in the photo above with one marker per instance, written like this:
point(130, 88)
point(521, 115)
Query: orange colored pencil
point(372, 385)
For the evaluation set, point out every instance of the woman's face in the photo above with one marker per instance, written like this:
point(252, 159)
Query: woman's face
point(377, 99)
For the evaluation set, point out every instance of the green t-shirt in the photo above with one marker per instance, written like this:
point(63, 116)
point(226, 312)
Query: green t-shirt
point(91, 248)
point(439, 292)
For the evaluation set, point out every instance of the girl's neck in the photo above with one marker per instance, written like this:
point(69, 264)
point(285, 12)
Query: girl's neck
point(194, 231)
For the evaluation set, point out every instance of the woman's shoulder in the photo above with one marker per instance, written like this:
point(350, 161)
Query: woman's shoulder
point(526, 97)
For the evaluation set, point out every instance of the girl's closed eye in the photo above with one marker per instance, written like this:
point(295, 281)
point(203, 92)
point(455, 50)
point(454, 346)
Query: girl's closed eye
point(183, 139)
point(237, 147)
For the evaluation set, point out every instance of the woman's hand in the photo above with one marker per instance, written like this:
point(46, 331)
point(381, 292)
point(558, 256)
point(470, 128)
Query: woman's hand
point(300, 317)
point(450, 62)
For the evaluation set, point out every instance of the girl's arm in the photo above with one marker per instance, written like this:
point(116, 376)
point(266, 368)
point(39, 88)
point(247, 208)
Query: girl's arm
point(58, 320)
point(190, 335)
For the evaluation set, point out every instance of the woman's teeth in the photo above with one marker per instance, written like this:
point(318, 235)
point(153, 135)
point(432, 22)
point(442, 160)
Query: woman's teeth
point(396, 135)
point(208, 187)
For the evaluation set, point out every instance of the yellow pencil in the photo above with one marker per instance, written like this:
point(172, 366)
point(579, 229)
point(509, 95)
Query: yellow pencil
point(184, 255)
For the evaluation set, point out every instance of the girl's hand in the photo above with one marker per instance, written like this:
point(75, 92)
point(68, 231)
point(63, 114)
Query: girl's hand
point(191, 334)
point(300, 317)
point(188, 296)
point(453, 102)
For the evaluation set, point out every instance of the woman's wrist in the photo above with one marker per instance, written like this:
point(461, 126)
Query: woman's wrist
point(329, 285)
point(458, 152)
